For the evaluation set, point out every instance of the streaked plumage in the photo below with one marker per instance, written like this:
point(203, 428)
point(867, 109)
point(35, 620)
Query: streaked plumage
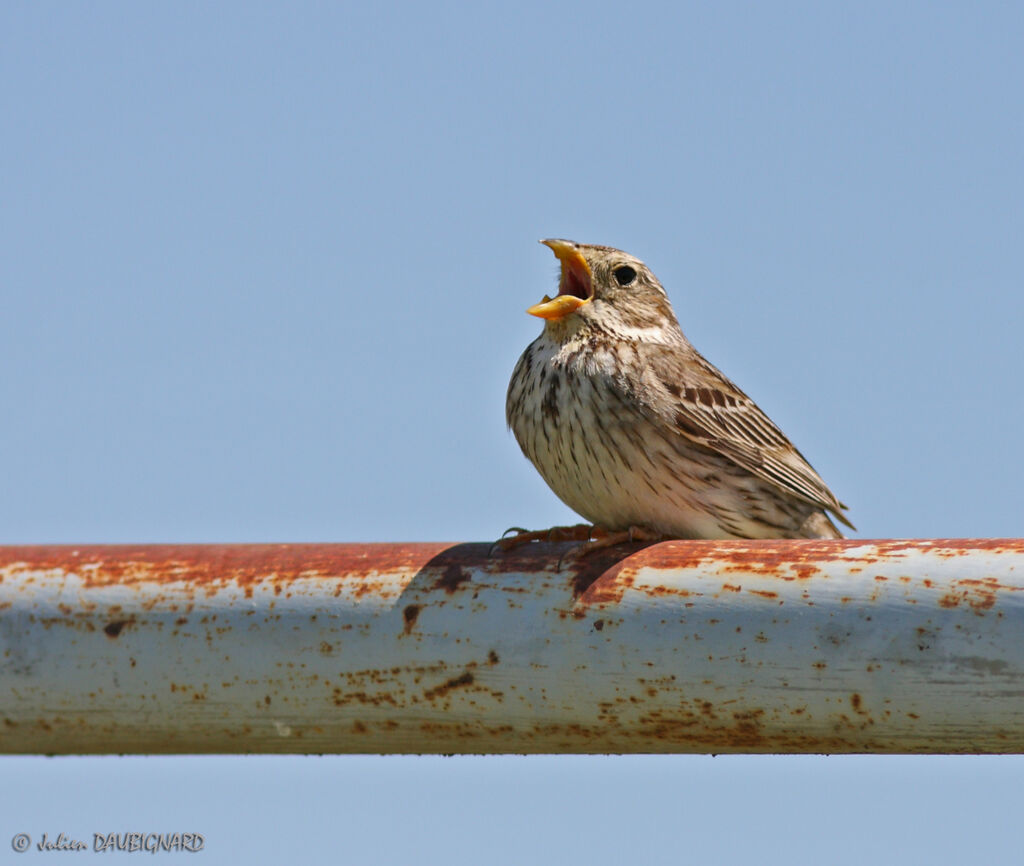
point(631, 426)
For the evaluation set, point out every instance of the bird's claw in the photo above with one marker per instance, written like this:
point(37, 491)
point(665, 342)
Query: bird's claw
point(579, 532)
point(518, 530)
point(506, 543)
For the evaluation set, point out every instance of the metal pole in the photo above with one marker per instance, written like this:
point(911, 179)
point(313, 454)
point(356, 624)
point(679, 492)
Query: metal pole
point(788, 646)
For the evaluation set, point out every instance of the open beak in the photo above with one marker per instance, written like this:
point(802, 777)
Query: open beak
point(574, 289)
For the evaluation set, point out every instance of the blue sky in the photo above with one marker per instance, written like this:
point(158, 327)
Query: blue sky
point(263, 270)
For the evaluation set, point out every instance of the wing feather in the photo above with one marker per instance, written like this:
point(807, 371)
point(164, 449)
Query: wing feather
point(710, 410)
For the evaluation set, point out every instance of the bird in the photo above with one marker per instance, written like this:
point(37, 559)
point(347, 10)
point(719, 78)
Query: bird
point(633, 429)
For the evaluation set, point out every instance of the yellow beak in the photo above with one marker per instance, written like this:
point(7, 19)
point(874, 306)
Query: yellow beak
point(557, 308)
point(574, 283)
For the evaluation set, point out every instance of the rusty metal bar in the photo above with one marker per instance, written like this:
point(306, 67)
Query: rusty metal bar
point(794, 646)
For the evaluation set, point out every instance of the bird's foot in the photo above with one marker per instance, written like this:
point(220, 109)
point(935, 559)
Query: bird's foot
point(591, 538)
point(603, 539)
point(579, 532)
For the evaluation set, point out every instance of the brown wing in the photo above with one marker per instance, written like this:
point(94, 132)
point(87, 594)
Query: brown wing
point(710, 410)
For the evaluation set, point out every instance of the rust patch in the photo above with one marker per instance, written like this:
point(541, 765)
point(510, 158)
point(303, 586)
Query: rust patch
point(803, 557)
point(113, 629)
point(763, 593)
point(244, 564)
point(605, 586)
point(978, 594)
point(748, 727)
point(454, 576)
point(781, 559)
point(605, 575)
point(410, 614)
point(370, 569)
point(465, 679)
point(803, 572)
point(949, 548)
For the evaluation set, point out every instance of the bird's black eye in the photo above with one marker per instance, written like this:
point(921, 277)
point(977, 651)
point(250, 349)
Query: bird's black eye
point(624, 275)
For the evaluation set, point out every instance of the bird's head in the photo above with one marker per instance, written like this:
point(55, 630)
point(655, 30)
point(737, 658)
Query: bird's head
point(604, 289)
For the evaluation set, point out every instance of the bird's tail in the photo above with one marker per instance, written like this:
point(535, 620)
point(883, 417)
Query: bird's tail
point(819, 525)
